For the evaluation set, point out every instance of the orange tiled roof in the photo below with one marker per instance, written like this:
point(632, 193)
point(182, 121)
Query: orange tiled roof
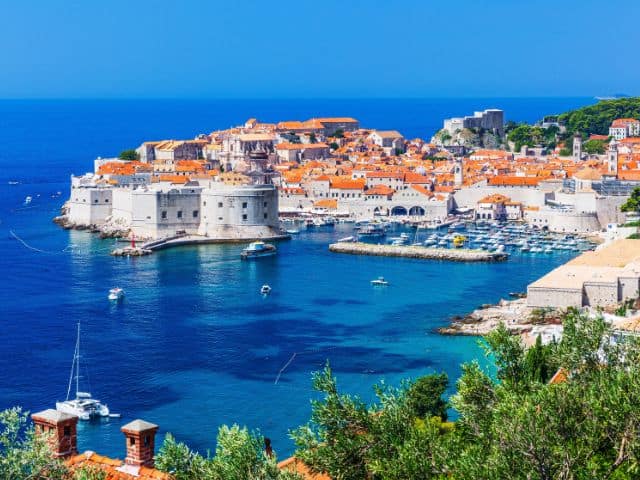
point(330, 203)
point(294, 465)
point(495, 198)
point(422, 190)
point(380, 190)
point(561, 376)
point(507, 180)
point(347, 183)
point(115, 469)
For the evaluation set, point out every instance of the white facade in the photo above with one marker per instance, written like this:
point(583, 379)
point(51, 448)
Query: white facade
point(162, 210)
point(249, 211)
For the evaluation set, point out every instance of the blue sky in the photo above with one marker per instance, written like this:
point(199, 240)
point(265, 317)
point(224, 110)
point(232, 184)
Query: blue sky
point(331, 48)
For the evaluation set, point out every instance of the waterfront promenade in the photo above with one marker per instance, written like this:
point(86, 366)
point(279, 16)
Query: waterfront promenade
point(415, 251)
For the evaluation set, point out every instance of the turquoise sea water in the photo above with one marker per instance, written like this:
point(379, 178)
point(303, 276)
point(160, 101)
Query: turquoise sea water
point(194, 345)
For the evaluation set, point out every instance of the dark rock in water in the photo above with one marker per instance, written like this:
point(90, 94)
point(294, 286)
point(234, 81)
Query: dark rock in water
point(518, 294)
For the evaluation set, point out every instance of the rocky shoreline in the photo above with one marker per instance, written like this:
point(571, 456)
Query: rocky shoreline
point(516, 315)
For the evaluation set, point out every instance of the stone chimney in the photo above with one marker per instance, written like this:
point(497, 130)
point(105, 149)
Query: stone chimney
point(60, 429)
point(140, 438)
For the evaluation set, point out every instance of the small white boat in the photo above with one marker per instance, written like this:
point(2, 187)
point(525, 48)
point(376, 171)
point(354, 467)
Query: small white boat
point(28, 200)
point(13, 182)
point(258, 249)
point(265, 290)
point(116, 294)
point(347, 239)
point(380, 281)
point(293, 231)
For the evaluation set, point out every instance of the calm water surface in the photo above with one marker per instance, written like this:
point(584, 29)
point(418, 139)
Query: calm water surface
point(194, 345)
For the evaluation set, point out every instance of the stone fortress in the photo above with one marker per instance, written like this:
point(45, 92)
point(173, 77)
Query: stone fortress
point(163, 206)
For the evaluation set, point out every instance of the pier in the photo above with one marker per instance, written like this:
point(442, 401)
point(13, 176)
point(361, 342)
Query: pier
point(414, 251)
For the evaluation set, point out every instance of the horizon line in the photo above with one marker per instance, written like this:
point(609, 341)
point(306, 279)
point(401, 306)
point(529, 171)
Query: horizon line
point(205, 98)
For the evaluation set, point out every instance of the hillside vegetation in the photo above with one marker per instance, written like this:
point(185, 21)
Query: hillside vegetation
point(597, 118)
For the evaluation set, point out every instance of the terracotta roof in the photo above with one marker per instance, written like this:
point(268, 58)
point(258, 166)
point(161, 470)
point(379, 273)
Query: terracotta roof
point(347, 183)
point(422, 190)
point(330, 203)
point(115, 469)
point(495, 198)
point(294, 465)
point(588, 173)
point(561, 376)
point(387, 133)
point(337, 120)
point(513, 180)
point(380, 190)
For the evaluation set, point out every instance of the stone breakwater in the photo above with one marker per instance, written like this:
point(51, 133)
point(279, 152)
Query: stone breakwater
point(414, 251)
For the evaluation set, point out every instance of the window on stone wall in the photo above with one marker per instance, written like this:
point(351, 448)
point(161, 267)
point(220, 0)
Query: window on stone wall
point(106, 200)
point(195, 214)
point(244, 217)
point(265, 215)
point(163, 215)
point(179, 213)
point(219, 204)
point(244, 204)
point(67, 431)
point(264, 204)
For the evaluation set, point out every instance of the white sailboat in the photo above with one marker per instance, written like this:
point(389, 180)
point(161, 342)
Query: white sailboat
point(84, 406)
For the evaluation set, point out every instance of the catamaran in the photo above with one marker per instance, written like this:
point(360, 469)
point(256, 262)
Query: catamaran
point(84, 406)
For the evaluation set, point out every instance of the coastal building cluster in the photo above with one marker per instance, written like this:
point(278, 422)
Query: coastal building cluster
point(235, 183)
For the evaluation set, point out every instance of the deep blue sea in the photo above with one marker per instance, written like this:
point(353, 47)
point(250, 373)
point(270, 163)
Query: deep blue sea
point(194, 345)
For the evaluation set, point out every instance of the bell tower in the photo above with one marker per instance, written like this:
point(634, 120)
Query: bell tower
point(612, 158)
point(457, 173)
point(577, 147)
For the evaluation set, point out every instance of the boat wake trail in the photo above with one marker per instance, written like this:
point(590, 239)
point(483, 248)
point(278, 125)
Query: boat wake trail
point(26, 245)
point(285, 367)
point(295, 354)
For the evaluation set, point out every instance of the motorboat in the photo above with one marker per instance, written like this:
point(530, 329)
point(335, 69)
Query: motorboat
point(258, 249)
point(379, 282)
point(347, 239)
point(116, 294)
point(84, 406)
point(265, 290)
point(292, 231)
point(458, 241)
point(372, 230)
point(28, 200)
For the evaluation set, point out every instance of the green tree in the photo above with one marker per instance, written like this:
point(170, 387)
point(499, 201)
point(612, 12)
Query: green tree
point(633, 202)
point(593, 146)
point(23, 454)
point(129, 155)
point(424, 396)
point(334, 146)
point(240, 455)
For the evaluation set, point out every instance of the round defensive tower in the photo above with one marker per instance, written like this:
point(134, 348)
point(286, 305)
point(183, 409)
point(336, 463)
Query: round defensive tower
point(240, 212)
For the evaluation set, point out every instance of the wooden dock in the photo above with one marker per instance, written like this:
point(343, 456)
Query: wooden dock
point(414, 251)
